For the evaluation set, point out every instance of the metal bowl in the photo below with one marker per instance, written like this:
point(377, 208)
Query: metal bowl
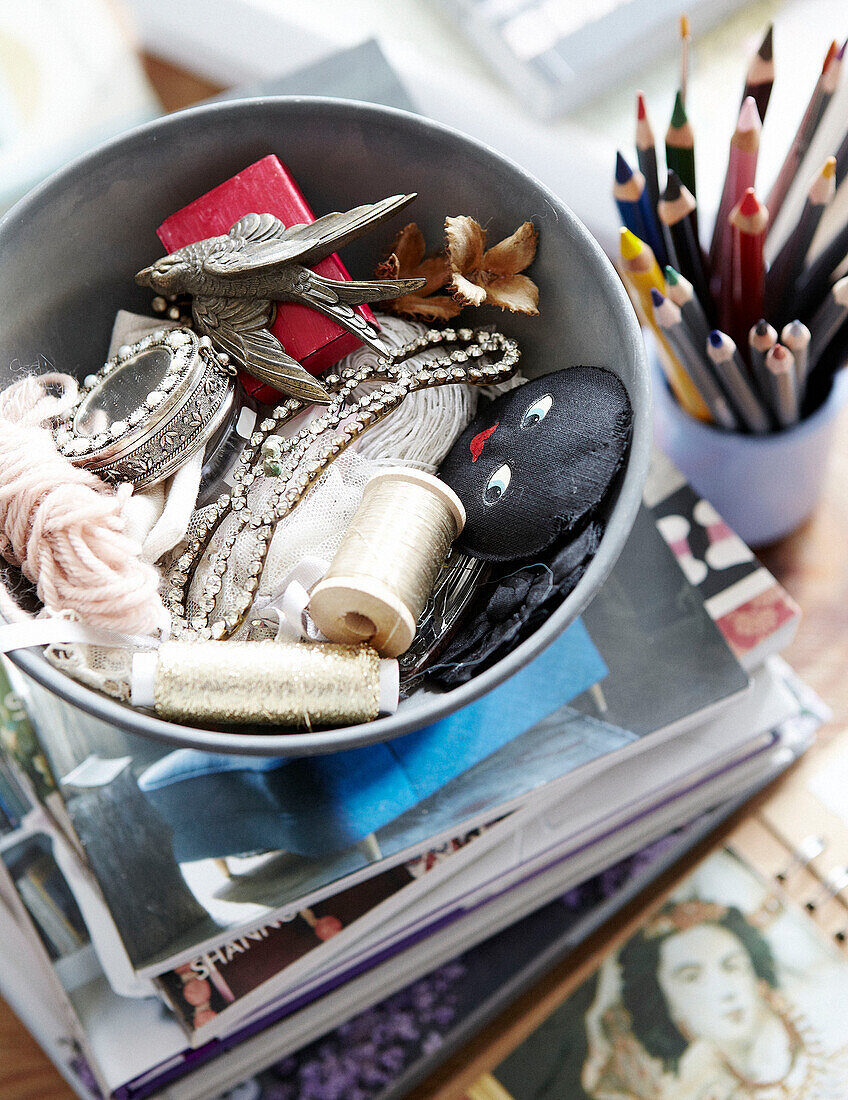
point(70, 249)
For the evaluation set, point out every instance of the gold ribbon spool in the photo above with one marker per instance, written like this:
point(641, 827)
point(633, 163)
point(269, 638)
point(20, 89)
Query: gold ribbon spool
point(274, 683)
point(387, 563)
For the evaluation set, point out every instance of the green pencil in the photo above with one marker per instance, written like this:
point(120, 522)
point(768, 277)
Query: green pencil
point(680, 146)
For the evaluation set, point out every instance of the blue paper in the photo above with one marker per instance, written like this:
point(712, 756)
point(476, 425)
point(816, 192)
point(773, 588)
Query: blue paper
point(437, 753)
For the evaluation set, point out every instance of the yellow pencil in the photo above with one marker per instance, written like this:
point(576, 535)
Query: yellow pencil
point(643, 274)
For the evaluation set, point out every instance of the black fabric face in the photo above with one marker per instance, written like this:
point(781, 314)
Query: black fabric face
point(537, 462)
point(515, 605)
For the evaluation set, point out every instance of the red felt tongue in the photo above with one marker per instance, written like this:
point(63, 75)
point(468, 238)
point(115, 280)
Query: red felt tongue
point(479, 441)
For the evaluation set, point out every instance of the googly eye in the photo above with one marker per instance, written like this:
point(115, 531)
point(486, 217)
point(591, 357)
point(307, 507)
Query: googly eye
point(537, 411)
point(497, 484)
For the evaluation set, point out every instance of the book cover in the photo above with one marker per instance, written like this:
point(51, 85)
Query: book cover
point(753, 611)
point(209, 988)
point(46, 895)
point(730, 989)
point(654, 631)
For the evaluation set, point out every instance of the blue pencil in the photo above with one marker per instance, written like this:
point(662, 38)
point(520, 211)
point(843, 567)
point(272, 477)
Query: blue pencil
point(634, 206)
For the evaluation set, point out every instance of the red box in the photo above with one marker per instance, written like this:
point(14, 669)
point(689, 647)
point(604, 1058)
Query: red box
point(267, 187)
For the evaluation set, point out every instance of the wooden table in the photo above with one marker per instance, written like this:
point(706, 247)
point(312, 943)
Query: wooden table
point(812, 564)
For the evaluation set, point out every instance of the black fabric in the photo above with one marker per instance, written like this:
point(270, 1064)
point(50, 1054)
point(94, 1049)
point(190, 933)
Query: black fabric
point(513, 605)
point(558, 442)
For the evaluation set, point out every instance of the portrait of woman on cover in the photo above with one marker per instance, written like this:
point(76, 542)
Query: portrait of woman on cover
point(729, 991)
point(701, 1016)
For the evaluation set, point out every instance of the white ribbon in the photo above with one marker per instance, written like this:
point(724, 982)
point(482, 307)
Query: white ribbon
point(288, 609)
point(59, 631)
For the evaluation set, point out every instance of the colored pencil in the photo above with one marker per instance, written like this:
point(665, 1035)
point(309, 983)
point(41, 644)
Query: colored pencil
point(783, 385)
point(682, 293)
point(760, 77)
point(761, 338)
point(842, 151)
point(680, 146)
point(789, 262)
point(814, 284)
point(668, 317)
point(828, 320)
point(748, 220)
point(677, 212)
point(740, 175)
point(796, 336)
point(730, 371)
point(643, 274)
point(634, 205)
point(819, 100)
point(646, 151)
point(685, 43)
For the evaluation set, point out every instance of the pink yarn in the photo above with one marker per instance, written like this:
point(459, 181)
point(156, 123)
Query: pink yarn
point(63, 526)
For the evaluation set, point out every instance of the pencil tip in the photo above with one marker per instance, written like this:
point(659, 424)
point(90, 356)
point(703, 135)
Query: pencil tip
point(630, 244)
point(840, 53)
point(716, 338)
point(672, 277)
point(832, 52)
point(678, 115)
point(839, 290)
point(672, 187)
point(761, 327)
point(641, 109)
point(749, 204)
point(656, 297)
point(623, 171)
point(749, 116)
point(766, 50)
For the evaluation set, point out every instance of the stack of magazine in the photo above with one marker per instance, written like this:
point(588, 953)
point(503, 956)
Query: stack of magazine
point(179, 924)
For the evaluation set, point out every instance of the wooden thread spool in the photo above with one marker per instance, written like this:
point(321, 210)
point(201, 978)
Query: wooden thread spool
point(387, 564)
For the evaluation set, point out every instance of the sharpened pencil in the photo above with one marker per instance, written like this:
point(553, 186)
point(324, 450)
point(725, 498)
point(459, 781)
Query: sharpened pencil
point(796, 336)
point(730, 371)
point(748, 221)
point(677, 212)
point(740, 175)
point(646, 151)
point(761, 338)
point(827, 321)
point(680, 146)
point(842, 151)
point(760, 76)
point(813, 286)
point(819, 100)
point(668, 317)
point(642, 272)
point(682, 293)
point(782, 379)
point(788, 265)
point(634, 205)
point(685, 43)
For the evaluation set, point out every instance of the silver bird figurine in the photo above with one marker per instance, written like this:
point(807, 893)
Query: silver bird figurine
point(236, 279)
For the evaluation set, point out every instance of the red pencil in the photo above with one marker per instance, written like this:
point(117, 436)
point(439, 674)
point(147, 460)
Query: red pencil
point(741, 170)
point(748, 223)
